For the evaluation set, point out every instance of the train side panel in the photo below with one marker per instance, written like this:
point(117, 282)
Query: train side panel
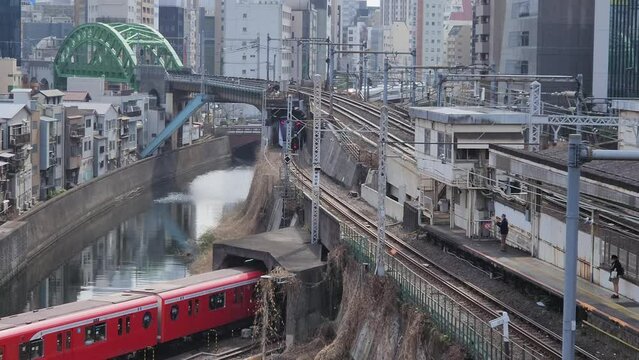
point(216, 304)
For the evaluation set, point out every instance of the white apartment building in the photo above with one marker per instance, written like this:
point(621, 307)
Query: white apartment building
point(246, 21)
point(127, 11)
point(433, 46)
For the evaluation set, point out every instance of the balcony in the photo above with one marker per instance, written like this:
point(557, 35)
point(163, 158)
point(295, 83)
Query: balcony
point(483, 10)
point(76, 133)
point(20, 139)
point(133, 113)
point(483, 28)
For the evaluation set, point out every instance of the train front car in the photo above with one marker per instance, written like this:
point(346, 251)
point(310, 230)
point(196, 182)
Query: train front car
point(206, 301)
point(100, 328)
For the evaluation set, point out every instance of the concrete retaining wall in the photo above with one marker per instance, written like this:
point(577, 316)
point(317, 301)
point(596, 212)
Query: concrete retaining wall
point(32, 233)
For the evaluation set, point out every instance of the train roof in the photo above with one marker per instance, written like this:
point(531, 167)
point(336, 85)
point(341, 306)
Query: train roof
point(65, 309)
point(194, 280)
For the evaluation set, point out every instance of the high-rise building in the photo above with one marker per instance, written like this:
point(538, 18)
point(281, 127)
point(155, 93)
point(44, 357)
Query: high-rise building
point(458, 29)
point(616, 38)
point(126, 11)
point(246, 27)
point(179, 22)
point(521, 37)
point(10, 27)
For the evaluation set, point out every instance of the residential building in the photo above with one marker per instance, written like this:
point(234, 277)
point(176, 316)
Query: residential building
point(10, 75)
point(46, 49)
point(616, 39)
point(78, 145)
point(10, 30)
point(458, 28)
point(396, 11)
point(15, 124)
point(247, 25)
point(106, 136)
point(180, 23)
point(488, 32)
point(126, 11)
point(430, 44)
point(51, 148)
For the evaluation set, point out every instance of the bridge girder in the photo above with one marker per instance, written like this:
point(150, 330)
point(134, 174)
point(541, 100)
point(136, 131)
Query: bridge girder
point(112, 51)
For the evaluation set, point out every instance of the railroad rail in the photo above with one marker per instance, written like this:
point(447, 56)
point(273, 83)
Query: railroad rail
point(532, 339)
point(399, 142)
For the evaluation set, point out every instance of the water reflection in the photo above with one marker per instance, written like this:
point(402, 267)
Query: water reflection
point(154, 245)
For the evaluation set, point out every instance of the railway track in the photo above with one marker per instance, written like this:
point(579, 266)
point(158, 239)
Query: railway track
point(400, 139)
point(525, 332)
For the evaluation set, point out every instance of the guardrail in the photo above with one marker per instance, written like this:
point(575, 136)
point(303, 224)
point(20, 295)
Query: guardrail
point(479, 339)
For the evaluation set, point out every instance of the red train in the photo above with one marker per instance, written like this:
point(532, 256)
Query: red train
point(119, 324)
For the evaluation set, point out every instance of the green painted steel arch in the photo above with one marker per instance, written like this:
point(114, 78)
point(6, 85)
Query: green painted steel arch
point(112, 51)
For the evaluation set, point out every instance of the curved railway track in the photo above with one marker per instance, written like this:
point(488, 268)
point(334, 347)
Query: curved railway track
point(400, 140)
point(524, 331)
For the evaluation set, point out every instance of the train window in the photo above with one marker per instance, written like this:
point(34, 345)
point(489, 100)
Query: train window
point(128, 324)
point(94, 333)
point(174, 312)
point(68, 339)
point(216, 301)
point(238, 296)
point(146, 320)
point(189, 308)
point(197, 306)
point(58, 342)
point(120, 326)
point(31, 350)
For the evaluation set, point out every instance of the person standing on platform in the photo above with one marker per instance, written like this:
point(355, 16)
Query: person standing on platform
point(616, 271)
point(502, 223)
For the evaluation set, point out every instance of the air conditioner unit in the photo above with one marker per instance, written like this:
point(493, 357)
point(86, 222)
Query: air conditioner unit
point(5, 205)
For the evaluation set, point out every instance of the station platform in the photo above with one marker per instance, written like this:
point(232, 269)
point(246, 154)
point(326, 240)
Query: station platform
point(622, 313)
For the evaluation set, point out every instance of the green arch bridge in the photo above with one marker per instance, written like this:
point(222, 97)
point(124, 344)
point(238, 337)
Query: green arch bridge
point(112, 51)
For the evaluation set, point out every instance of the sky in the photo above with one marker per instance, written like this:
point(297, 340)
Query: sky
point(373, 2)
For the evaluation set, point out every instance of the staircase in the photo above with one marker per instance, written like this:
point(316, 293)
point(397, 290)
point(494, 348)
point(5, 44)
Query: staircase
point(196, 103)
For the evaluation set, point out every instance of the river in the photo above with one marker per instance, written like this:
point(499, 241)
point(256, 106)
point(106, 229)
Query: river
point(155, 244)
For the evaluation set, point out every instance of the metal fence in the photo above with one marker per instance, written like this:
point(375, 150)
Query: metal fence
point(451, 318)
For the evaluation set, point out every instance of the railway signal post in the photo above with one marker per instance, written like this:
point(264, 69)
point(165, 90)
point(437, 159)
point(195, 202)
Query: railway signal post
point(578, 154)
point(381, 178)
point(317, 128)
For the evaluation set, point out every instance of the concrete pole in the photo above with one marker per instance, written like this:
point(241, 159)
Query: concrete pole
point(570, 261)
point(413, 80)
point(440, 89)
point(578, 96)
point(258, 56)
point(381, 179)
point(268, 56)
point(331, 70)
point(365, 77)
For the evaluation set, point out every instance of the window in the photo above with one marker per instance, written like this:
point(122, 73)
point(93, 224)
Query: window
point(189, 308)
point(244, 16)
point(68, 339)
point(427, 140)
point(102, 149)
point(522, 9)
point(175, 311)
point(444, 146)
point(216, 301)
point(94, 333)
point(146, 320)
point(120, 326)
point(88, 123)
point(128, 324)
point(197, 306)
point(243, 29)
point(58, 342)
point(31, 350)
point(524, 39)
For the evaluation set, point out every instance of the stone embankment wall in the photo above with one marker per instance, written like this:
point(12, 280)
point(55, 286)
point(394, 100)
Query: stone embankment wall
point(31, 234)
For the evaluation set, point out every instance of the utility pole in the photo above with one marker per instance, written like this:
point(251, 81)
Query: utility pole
point(331, 69)
point(286, 159)
point(317, 128)
point(258, 56)
point(413, 80)
point(268, 55)
point(578, 154)
point(365, 77)
point(534, 133)
point(381, 178)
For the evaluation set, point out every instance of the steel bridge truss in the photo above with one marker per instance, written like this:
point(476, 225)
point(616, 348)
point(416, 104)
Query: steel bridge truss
point(112, 51)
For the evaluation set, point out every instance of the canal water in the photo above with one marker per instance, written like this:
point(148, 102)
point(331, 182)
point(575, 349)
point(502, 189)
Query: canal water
point(156, 243)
